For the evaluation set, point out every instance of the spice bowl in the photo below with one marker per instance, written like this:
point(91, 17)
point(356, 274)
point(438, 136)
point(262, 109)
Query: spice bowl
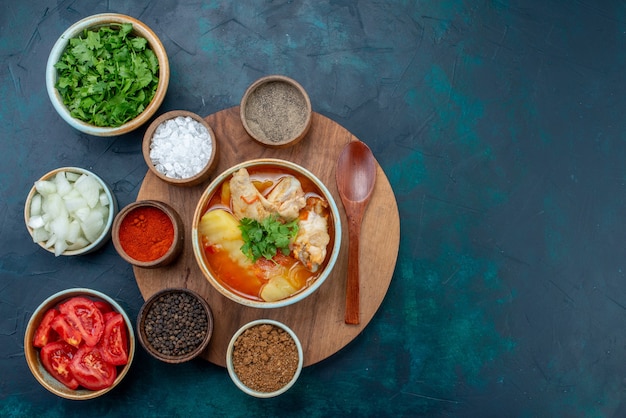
point(175, 325)
point(264, 358)
point(69, 211)
point(154, 64)
point(180, 148)
point(148, 234)
point(49, 344)
point(276, 111)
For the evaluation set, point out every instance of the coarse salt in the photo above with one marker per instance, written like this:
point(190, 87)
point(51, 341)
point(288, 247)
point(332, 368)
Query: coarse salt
point(181, 147)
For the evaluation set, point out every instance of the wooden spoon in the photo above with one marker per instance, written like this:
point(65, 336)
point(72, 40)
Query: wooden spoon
point(355, 175)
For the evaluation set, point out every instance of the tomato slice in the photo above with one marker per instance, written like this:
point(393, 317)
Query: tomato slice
point(56, 358)
point(84, 315)
point(66, 331)
point(114, 341)
point(90, 369)
point(43, 332)
point(106, 318)
point(103, 306)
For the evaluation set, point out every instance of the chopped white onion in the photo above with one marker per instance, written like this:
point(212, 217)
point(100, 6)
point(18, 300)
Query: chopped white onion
point(89, 188)
point(36, 222)
point(45, 187)
point(35, 205)
point(68, 212)
point(72, 176)
point(63, 185)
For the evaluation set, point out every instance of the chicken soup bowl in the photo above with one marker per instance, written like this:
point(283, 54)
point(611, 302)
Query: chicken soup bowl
point(266, 233)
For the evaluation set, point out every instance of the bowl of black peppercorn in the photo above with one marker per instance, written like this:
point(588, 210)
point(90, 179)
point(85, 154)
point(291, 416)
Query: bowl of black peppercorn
point(175, 325)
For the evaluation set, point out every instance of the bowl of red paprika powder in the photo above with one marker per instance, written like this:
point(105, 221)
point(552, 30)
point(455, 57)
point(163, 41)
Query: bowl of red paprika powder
point(148, 234)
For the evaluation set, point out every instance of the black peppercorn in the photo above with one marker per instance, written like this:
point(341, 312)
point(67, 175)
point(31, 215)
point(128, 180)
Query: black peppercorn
point(175, 324)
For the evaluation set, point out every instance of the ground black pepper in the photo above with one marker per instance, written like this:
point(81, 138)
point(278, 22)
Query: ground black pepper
point(175, 324)
point(276, 112)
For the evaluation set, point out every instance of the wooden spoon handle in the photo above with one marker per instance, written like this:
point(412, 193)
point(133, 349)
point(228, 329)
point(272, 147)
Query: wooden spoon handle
point(352, 285)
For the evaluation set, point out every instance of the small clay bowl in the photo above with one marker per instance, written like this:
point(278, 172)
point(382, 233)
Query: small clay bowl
point(163, 297)
point(276, 111)
point(189, 181)
point(168, 256)
point(263, 344)
point(95, 22)
point(32, 353)
point(90, 247)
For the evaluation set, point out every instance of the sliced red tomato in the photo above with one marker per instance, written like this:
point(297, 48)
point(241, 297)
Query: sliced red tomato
point(66, 331)
point(114, 341)
point(103, 306)
point(43, 332)
point(56, 358)
point(106, 317)
point(90, 369)
point(85, 316)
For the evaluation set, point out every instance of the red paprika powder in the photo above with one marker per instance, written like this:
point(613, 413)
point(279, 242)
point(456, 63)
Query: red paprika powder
point(146, 233)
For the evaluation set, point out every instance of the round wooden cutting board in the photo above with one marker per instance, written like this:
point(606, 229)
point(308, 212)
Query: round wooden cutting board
point(318, 320)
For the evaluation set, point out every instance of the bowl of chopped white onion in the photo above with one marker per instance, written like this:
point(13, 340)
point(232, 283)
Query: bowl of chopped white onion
point(70, 211)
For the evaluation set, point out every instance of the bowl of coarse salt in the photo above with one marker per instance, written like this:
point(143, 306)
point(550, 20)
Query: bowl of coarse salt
point(180, 148)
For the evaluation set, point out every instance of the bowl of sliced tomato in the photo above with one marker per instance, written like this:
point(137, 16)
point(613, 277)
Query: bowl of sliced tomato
point(79, 344)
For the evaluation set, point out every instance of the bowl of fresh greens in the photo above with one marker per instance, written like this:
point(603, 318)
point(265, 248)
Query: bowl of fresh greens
point(107, 74)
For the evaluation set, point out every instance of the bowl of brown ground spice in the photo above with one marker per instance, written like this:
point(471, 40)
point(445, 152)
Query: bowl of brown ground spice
point(276, 111)
point(264, 358)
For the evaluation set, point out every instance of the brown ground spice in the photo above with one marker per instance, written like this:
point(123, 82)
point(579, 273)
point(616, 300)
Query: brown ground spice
point(276, 112)
point(265, 358)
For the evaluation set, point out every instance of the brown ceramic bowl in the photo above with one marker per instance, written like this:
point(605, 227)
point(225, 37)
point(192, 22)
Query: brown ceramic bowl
point(147, 334)
point(259, 378)
point(32, 353)
point(74, 248)
point(276, 111)
point(124, 220)
point(93, 23)
point(157, 152)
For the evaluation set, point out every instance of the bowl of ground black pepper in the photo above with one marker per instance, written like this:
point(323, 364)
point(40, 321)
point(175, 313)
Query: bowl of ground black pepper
point(180, 148)
point(148, 234)
point(175, 325)
point(264, 358)
point(276, 111)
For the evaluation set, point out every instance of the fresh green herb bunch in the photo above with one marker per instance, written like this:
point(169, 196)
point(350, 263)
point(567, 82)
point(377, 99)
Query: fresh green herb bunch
point(108, 77)
point(265, 238)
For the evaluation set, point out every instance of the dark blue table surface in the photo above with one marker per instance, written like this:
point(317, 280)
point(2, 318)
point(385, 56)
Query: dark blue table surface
point(500, 125)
